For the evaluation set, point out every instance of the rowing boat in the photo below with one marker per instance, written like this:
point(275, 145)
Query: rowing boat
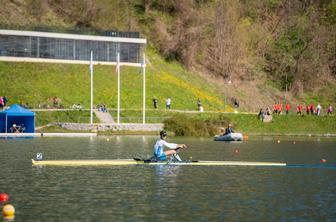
point(119, 162)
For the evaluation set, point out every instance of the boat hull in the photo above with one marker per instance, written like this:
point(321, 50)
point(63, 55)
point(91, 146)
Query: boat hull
point(120, 162)
point(230, 137)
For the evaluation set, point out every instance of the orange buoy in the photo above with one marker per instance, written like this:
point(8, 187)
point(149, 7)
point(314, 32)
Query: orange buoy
point(3, 197)
point(245, 137)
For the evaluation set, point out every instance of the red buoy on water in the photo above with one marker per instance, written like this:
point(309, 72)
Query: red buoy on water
point(3, 197)
point(323, 160)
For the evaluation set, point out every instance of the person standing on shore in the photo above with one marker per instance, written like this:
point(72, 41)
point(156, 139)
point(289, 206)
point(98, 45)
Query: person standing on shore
point(318, 109)
point(199, 104)
point(236, 104)
point(299, 109)
point(330, 109)
point(261, 115)
point(312, 109)
point(155, 102)
point(5, 100)
point(1, 103)
point(168, 103)
point(287, 108)
point(308, 109)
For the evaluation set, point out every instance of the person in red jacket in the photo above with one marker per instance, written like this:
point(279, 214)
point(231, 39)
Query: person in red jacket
point(279, 108)
point(287, 108)
point(308, 109)
point(312, 109)
point(299, 109)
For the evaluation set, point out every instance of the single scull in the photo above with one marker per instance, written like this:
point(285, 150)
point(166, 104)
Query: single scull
point(119, 162)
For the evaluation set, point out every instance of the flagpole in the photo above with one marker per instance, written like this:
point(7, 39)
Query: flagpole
point(91, 73)
point(118, 72)
point(143, 64)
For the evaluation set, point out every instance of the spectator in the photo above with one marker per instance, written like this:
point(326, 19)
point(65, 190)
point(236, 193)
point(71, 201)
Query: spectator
point(308, 109)
point(279, 108)
point(5, 100)
point(318, 109)
point(330, 109)
point(268, 111)
point(236, 104)
point(199, 104)
point(55, 102)
point(1, 103)
point(104, 109)
point(312, 109)
point(299, 109)
point(261, 115)
point(14, 128)
point(168, 103)
point(287, 108)
point(77, 106)
point(155, 102)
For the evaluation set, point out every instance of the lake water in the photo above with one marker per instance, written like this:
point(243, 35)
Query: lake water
point(304, 191)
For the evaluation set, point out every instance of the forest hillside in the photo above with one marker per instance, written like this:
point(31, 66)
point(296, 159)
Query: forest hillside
point(270, 49)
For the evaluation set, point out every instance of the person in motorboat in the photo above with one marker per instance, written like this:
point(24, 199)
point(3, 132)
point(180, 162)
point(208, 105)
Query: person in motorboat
point(161, 154)
point(228, 130)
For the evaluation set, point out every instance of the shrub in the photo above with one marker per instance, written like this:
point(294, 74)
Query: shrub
point(183, 125)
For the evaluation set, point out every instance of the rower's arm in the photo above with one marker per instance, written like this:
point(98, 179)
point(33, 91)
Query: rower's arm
point(173, 146)
point(170, 145)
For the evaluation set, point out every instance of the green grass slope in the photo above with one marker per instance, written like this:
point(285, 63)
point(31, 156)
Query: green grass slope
point(208, 124)
point(34, 83)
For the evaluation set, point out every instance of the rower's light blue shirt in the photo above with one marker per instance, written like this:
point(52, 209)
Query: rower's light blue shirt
point(160, 144)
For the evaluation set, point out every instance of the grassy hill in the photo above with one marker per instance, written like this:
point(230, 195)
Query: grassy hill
point(208, 124)
point(34, 83)
point(262, 46)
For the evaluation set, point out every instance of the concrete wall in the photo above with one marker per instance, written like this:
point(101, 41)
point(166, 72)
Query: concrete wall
point(111, 127)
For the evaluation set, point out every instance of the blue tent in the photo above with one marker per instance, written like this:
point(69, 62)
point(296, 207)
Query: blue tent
point(18, 115)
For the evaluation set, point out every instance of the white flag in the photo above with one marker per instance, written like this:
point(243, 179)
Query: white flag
point(91, 62)
point(118, 62)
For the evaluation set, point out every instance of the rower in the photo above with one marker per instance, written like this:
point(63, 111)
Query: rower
point(228, 130)
point(160, 154)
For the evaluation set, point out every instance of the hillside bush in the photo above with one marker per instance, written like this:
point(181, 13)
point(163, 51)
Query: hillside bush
point(183, 125)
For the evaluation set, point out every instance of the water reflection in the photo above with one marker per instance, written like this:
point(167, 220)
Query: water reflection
point(8, 219)
point(144, 140)
point(166, 181)
point(118, 140)
point(167, 171)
